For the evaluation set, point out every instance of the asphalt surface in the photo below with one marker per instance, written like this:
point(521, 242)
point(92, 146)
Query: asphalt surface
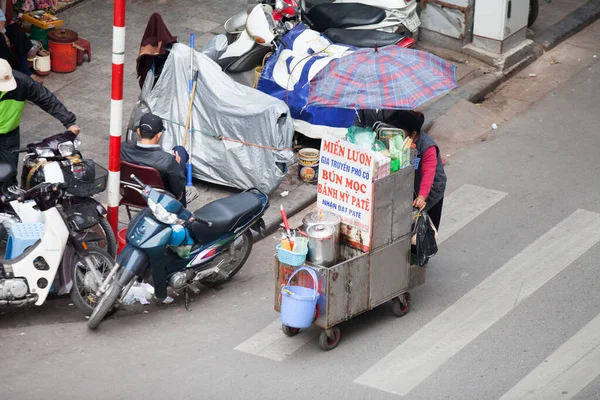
point(545, 164)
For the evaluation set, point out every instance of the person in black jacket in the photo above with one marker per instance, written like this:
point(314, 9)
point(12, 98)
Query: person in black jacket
point(16, 89)
point(149, 153)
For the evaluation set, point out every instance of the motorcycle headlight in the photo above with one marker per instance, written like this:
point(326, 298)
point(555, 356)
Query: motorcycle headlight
point(66, 149)
point(163, 215)
point(44, 152)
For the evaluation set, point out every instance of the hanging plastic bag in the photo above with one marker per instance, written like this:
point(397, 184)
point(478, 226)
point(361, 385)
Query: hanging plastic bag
point(365, 138)
point(424, 238)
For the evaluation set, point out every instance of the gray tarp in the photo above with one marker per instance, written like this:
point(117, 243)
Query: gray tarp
point(222, 108)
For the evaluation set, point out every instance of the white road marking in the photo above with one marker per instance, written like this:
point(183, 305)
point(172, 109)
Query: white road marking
point(566, 372)
point(422, 354)
point(273, 344)
point(463, 206)
point(460, 208)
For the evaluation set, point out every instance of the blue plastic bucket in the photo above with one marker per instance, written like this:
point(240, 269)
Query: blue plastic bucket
point(298, 303)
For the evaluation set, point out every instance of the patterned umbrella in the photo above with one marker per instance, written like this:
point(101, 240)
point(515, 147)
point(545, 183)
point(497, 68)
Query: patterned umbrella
point(387, 78)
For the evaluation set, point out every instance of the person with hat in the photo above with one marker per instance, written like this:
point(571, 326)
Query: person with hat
point(16, 89)
point(430, 177)
point(148, 152)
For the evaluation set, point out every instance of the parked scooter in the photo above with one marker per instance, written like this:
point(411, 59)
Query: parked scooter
point(56, 159)
point(29, 275)
point(392, 16)
point(170, 246)
point(253, 43)
point(343, 24)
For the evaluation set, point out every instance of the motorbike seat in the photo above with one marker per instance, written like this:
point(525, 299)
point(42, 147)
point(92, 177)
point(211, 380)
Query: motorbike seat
point(343, 15)
point(311, 3)
point(363, 37)
point(225, 215)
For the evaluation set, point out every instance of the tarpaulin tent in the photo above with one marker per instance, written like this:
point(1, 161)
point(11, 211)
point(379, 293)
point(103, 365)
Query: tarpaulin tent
point(299, 56)
point(242, 137)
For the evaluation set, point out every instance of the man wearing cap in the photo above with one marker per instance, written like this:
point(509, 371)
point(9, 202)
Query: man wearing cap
point(16, 89)
point(149, 153)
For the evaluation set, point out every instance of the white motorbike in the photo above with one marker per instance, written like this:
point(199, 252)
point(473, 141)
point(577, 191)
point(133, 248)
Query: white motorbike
point(36, 248)
point(356, 24)
point(253, 42)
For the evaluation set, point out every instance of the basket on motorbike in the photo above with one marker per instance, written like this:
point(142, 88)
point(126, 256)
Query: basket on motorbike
point(84, 178)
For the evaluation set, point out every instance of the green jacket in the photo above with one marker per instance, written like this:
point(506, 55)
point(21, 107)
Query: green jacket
point(13, 103)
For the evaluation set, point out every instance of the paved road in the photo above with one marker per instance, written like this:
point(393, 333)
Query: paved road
point(510, 309)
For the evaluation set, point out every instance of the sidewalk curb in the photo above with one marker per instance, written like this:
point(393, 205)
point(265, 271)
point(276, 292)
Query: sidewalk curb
point(569, 25)
point(472, 91)
point(306, 195)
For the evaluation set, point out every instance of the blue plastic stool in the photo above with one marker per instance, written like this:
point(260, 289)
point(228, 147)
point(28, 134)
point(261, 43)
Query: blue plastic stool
point(22, 236)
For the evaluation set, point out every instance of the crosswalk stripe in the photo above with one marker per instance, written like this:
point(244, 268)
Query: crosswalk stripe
point(273, 344)
point(463, 206)
point(422, 354)
point(566, 372)
point(460, 208)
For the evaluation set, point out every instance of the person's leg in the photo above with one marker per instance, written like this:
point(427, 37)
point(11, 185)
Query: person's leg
point(24, 65)
point(435, 213)
point(9, 142)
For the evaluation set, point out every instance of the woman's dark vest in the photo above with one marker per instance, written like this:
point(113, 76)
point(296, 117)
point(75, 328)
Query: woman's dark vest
point(439, 182)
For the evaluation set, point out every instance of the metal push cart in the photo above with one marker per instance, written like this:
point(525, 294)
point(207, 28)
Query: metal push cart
point(361, 281)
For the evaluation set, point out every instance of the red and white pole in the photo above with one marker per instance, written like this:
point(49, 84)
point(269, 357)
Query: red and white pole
point(116, 113)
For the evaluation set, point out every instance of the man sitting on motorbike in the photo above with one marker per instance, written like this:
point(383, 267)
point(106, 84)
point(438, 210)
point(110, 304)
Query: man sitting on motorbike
point(149, 153)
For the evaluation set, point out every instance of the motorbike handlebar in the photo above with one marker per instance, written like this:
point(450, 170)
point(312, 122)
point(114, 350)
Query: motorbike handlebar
point(135, 178)
point(21, 150)
point(44, 191)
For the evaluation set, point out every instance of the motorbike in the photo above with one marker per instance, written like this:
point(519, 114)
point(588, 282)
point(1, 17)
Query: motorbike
point(28, 276)
point(56, 159)
point(253, 42)
point(392, 16)
point(264, 24)
point(169, 246)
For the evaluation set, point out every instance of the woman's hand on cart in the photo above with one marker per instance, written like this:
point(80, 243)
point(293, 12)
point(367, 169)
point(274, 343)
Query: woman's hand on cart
point(420, 203)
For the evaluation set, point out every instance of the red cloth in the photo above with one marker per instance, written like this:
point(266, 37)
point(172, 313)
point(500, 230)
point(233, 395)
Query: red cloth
point(428, 166)
point(154, 43)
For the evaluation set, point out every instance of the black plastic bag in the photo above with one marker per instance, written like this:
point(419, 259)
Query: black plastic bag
point(424, 238)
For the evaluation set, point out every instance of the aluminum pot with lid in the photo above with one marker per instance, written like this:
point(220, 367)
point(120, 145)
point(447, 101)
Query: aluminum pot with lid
point(324, 218)
point(322, 246)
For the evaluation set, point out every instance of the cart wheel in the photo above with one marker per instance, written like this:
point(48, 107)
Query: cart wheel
point(329, 343)
point(401, 305)
point(289, 331)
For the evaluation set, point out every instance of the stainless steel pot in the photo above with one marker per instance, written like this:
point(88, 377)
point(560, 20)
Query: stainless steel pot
point(324, 218)
point(322, 246)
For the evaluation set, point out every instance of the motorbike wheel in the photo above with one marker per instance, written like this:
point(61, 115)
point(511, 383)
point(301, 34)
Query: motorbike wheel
point(105, 305)
point(83, 292)
point(241, 252)
point(109, 244)
point(534, 9)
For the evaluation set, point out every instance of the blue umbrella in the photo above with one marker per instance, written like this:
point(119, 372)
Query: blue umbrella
point(391, 77)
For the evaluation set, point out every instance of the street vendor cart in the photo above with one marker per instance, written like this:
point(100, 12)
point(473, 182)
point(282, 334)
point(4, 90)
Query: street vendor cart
point(360, 281)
